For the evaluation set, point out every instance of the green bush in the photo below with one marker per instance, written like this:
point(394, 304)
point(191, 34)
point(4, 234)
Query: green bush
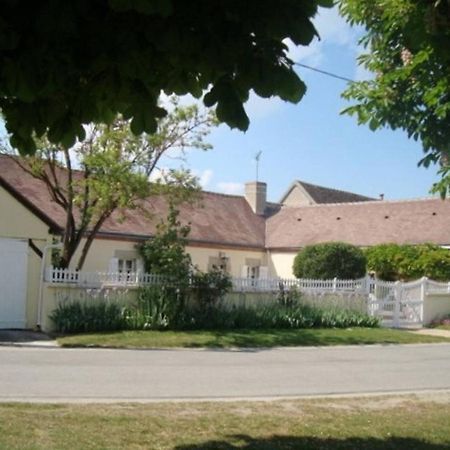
point(83, 317)
point(165, 253)
point(394, 262)
point(209, 288)
point(277, 316)
point(157, 307)
point(330, 260)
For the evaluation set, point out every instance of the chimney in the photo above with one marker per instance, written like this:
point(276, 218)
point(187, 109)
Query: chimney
point(255, 194)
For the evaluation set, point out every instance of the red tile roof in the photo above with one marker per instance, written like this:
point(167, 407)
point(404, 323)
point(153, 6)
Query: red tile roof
point(220, 219)
point(363, 223)
point(229, 221)
point(321, 194)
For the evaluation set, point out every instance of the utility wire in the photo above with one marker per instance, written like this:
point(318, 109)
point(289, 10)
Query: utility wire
point(324, 72)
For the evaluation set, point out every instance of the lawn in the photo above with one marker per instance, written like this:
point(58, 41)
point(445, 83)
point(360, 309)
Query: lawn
point(247, 338)
point(367, 423)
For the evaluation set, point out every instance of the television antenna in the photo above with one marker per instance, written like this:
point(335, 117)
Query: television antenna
point(257, 158)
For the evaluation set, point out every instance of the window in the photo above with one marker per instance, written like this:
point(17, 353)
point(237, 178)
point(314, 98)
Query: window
point(218, 263)
point(254, 271)
point(127, 266)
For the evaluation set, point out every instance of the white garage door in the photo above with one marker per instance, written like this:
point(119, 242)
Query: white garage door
point(13, 282)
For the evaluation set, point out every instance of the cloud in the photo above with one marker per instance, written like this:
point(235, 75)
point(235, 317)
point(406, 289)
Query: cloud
point(332, 29)
point(204, 177)
point(230, 187)
point(259, 108)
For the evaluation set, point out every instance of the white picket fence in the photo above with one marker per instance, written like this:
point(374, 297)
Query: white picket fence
point(54, 275)
point(397, 304)
point(96, 279)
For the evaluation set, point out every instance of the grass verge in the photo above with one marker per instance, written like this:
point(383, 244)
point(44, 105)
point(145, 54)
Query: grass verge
point(368, 423)
point(246, 338)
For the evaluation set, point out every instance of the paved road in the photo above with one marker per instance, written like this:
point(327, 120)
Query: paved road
point(57, 375)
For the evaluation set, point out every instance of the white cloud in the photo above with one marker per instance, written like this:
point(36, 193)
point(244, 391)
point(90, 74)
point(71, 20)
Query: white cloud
point(205, 177)
point(259, 108)
point(332, 28)
point(230, 187)
point(158, 174)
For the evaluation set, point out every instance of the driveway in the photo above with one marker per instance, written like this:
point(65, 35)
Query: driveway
point(96, 375)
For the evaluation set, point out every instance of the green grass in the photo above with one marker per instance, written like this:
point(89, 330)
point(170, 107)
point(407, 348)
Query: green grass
point(366, 423)
point(246, 338)
point(443, 327)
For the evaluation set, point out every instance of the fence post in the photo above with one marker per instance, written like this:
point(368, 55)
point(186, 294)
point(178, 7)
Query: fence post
point(397, 298)
point(423, 296)
point(334, 284)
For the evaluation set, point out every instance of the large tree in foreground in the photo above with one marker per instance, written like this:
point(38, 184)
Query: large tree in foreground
point(408, 44)
point(109, 171)
point(68, 63)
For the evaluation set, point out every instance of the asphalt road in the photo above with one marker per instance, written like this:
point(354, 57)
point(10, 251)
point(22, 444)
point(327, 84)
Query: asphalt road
point(94, 375)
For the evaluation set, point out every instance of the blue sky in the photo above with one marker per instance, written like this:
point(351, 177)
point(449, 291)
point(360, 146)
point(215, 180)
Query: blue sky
point(311, 141)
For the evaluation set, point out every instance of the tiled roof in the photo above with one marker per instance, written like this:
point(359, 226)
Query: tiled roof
point(321, 194)
point(217, 218)
point(229, 221)
point(362, 224)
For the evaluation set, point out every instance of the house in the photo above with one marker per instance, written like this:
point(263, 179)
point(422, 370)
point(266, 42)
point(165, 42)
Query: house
point(245, 235)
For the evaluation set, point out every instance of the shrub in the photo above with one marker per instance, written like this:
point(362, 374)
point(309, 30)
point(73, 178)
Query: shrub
point(165, 253)
point(394, 262)
point(329, 260)
point(84, 317)
point(157, 307)
point(276, 316)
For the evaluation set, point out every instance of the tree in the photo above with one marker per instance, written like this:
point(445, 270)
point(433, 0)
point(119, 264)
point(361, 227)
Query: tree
point(113, 175)
point(165, 253)
point(408, 43)
point(394, 262)
point(65, 64)
point(329, 260)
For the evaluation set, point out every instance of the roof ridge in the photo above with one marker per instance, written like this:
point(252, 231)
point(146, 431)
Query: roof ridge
point(222, 194)
point(377, 202)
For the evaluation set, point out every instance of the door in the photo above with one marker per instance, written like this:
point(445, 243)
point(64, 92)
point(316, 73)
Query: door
point(13, 282)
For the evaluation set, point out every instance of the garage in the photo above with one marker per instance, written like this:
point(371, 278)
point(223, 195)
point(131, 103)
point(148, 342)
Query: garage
point(13, 282)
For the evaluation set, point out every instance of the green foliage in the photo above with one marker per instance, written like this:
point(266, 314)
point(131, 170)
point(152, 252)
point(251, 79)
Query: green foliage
point(409, 262)
point(83, 317)
point(165, 253)
point(288, 297)
point(64, 64)
point(277, 316)
point(330, 260)
point(208, 288)
point(408, 43)
point(158, 307)
point(115, 166)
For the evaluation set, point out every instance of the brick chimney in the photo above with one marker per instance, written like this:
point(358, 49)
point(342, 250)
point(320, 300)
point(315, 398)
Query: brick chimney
point(255, 194)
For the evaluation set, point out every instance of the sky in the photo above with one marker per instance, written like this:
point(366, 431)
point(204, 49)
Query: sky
point(311, 141)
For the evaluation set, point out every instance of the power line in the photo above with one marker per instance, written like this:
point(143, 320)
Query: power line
point(324, 72)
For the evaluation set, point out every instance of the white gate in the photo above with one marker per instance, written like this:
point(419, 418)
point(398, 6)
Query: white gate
point(398, 305)
point(13, 282)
